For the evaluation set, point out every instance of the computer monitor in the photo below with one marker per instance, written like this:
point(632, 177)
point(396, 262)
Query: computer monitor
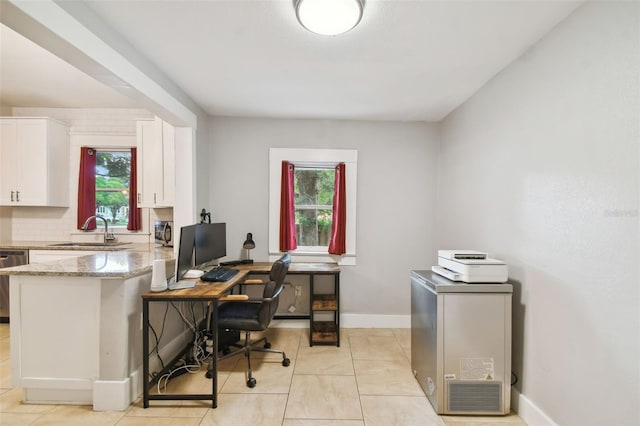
point(211, 242)
point(185, 250)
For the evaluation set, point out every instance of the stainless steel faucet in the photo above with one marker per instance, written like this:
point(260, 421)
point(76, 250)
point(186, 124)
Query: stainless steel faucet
point(108, 237)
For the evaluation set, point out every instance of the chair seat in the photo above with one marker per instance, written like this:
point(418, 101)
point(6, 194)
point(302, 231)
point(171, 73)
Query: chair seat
point(240, 316)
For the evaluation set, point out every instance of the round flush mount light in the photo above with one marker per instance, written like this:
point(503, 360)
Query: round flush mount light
point(329, 17)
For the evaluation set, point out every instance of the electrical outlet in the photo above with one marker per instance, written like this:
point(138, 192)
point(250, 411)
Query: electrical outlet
point(291, 309)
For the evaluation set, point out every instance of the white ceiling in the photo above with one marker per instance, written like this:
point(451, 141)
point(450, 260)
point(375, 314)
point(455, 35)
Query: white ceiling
point(406, 60)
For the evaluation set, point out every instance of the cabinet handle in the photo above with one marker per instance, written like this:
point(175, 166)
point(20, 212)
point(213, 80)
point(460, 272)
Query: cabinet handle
point(138, 198)
point(154, 198)
point(11, 196)
point(18, 196)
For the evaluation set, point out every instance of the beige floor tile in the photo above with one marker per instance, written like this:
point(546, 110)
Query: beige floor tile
point(367, 380)
point(376, 347)
point(168, 409)
point(305, 348)
point(11, 402)
point(160, 421)
point(354, 332)
point(238, 409)
point(329, 360)
point(229, 364)
point(379, 377)
point(313, 422)
point(5, 349)
point(398, 411)
point(510, 420)
point(78, 415)
point(4, 330)
point(287, 340)
point(15, 419)
point(323, 397)
point(403, 335)
point(5, 374)
point(271, 377)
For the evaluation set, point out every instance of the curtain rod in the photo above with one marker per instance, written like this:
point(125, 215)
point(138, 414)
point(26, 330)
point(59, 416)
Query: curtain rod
point(314, 165)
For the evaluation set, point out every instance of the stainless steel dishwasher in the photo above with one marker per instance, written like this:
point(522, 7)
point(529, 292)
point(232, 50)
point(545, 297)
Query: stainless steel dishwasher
point(9, 258)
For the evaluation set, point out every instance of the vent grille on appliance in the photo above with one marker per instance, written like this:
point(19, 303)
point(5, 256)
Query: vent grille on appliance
point(470, 397)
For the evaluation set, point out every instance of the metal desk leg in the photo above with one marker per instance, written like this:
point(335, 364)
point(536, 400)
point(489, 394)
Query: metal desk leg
point(214, 361)
point(145, 352)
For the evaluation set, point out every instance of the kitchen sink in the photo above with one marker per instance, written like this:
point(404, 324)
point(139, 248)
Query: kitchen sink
point(88, 244)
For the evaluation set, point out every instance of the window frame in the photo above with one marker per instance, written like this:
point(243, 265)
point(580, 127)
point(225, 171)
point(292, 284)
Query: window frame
point(316, 158)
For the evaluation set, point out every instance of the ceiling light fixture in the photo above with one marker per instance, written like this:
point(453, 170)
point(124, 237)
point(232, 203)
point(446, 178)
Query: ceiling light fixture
point(329, 17)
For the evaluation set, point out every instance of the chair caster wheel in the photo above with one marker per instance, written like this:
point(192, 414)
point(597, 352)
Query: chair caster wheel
point(225, 351)
point(208, 375)
point(267, 345)
point(286, 362)
point(251, 383)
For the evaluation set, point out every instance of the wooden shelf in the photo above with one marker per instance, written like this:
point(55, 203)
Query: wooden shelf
point(324, 332)
point(324, 302)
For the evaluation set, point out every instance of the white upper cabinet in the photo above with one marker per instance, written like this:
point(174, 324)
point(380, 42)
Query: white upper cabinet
point(156, 164)
point(34, 162)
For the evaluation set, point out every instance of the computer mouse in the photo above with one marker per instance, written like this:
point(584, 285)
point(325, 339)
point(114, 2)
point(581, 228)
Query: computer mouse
point(193, 273)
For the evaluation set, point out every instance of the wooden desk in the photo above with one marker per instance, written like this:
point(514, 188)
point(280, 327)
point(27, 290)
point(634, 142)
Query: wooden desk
point(211, 292)
point(320, 332)
point(207, 292)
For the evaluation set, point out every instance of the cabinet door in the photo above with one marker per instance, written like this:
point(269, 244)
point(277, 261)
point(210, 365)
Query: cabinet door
point(8, 167)
point(156, 170)
point(167, 194)
point(32, 162)
point(149, 157)
point(23, 152)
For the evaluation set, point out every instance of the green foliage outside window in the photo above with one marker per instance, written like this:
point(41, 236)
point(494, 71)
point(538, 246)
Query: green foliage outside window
point(113, 173)
point(314, 206)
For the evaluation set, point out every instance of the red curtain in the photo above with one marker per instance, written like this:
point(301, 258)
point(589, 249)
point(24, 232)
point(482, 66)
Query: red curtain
point(87, 187)
point(338, 243)
point(287, 209)
point(135, 223)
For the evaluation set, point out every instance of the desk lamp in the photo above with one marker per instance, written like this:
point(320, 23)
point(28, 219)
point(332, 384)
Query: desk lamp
point(248, 245)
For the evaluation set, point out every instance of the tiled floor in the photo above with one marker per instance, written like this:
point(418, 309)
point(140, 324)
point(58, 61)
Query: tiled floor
point(366, 381)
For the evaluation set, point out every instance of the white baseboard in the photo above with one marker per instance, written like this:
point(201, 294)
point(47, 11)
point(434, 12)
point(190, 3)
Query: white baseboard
point(528, 411)
point(289, 323)
point(111, 395)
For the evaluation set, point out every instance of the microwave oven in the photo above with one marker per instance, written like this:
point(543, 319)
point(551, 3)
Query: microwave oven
point(164, 232)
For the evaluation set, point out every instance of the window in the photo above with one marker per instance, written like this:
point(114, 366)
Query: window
point(113, 172)
point(313, 202)
point(313, 205)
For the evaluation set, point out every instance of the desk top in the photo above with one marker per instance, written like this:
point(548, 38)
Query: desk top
point(295, 268)
point(214, 290)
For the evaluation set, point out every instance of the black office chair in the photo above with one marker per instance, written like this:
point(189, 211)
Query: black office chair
point(256, 315)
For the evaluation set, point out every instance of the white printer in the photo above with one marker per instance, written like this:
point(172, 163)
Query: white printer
point(470, 266)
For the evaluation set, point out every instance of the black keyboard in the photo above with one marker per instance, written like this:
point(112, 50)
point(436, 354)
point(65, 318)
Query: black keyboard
point(219, 274)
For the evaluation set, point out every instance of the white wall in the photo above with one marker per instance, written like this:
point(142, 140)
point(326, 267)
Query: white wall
point(540, 168)
point(396, 193)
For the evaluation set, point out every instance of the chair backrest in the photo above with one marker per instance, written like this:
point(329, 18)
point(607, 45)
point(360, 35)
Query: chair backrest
point(273, 288)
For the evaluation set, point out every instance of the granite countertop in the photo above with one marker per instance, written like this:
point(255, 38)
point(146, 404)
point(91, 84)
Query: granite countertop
point(84, 246)
point(125, 261)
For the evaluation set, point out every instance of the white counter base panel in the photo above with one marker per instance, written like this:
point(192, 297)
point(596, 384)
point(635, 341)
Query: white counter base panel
point(76, 340)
